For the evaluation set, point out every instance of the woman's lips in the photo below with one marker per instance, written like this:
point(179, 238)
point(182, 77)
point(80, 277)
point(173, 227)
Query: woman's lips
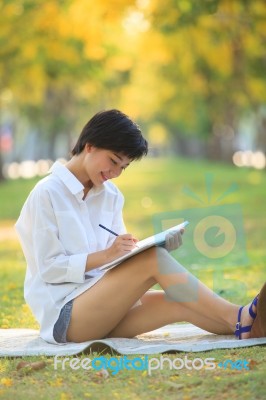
point(105, 178)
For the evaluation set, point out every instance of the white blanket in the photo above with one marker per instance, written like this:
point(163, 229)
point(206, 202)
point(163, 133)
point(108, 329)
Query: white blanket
point(171, 338)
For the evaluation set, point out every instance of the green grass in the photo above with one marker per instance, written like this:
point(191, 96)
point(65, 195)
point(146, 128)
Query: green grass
point(150, 187)
point(49, 383)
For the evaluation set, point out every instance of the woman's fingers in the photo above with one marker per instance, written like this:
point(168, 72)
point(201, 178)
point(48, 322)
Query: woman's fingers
point(173, 240)
point(126, 242)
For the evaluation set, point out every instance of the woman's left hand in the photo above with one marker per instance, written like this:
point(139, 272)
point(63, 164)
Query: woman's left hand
point(173, 240)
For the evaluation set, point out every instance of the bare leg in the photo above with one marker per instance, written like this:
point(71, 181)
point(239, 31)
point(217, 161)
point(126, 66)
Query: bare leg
point(157, 311)
point(99, 311)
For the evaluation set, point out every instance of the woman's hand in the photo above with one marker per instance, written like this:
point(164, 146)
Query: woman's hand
point(173, 240)
point(122, 245)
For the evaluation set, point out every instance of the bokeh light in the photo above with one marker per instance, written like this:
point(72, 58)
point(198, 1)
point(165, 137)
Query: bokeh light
point(249, 158)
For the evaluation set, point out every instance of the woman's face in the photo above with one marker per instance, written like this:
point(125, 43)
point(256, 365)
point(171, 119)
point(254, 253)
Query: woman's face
point(101, 164)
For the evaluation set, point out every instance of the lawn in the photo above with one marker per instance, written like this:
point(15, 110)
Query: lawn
point(155, 190)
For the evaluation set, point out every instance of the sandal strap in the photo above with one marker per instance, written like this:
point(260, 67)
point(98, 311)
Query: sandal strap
point(238, 324)
point(254, 303)
point(239, 328)
point(243, 329)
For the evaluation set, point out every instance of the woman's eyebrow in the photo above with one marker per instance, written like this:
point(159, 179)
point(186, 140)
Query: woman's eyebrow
point(120, 158)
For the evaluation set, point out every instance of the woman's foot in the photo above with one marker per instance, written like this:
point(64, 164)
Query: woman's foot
point(259, 326)
point(245, 320)
point(252, 318)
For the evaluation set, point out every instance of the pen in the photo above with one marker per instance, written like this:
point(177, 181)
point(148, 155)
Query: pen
point(109, 230)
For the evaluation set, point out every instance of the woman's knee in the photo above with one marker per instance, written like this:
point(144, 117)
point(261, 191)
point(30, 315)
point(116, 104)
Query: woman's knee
point(155, 253)
point(148, 262)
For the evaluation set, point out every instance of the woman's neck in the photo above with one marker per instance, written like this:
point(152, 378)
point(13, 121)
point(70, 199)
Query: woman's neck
point(75, 167)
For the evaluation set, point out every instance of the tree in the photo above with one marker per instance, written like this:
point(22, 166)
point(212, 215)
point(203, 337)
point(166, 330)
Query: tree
point(55, 57)
point(212, 69)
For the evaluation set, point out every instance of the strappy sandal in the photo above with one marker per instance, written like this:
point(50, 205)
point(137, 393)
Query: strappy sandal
point(258, 327)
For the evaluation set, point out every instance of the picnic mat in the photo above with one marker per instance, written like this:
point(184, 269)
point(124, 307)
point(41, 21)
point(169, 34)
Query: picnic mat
point(169, 339)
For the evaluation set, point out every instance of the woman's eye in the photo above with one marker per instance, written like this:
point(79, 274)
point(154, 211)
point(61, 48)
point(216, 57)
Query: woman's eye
point(113, 161)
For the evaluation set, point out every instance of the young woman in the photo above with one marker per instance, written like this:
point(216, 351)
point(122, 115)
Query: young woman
point(64, 246)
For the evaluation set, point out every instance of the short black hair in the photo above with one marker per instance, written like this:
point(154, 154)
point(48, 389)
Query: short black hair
point(115, 131)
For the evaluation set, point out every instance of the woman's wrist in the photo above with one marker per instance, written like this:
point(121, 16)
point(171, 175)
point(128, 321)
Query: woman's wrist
point(97, 259)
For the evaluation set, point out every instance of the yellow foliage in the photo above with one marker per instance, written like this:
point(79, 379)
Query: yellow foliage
point(3, 366)
point(25, 308)
point(198, 84)
point(12, 285)
point(57, 382)
point(29, 50)
point(253, 46)
point(6, 382)
point(168, 63)
point(256, 89)
point(47, 15)
point(94, 51)
point(216, 53)
point(259, 8)
point(153, 50)
point(64, 396)
point(157, 134)
point(120, 62)
point(12, 9)
point(85, 19)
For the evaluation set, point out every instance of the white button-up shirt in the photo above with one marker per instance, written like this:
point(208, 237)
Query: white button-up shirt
point(57, 230)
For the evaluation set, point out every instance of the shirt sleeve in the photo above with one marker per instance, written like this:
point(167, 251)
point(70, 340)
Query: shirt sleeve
point(52, 259)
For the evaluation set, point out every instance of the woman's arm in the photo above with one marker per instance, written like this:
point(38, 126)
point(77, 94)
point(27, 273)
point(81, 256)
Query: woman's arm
point(54, 261)
point(41, 235)
point(122, 245)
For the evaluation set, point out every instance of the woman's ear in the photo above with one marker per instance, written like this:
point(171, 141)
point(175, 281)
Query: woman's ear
point(88, 147)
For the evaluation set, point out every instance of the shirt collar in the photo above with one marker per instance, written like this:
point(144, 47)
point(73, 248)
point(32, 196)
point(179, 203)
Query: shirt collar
point(63, 173)
point(71, 182)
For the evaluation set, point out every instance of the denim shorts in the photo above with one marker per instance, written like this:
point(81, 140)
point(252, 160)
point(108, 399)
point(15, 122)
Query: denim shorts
point(61, 325)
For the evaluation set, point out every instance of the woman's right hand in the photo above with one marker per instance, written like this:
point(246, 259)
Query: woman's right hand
point(122, 245)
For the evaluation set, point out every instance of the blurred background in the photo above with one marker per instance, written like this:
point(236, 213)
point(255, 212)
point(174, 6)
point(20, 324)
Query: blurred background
point(191, 73)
